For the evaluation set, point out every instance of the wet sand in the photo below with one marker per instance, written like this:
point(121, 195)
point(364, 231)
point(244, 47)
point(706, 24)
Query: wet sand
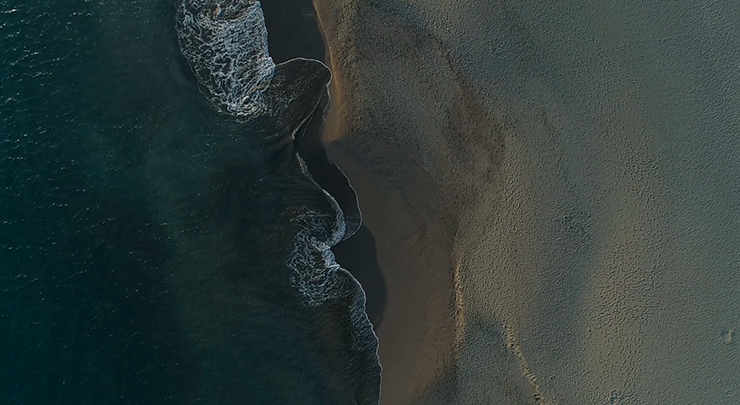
point(417, 330)
point(552, 190)
point(294, 33)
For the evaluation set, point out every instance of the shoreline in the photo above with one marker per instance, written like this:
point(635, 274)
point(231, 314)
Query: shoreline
point(418, 338)
point(355, 253)
point(560, 172)
point(404, 144)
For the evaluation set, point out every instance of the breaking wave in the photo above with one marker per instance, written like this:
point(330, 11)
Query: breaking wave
point(311, 259)
point(225, 44)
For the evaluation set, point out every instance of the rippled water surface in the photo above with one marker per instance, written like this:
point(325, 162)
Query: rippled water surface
point(160, 239)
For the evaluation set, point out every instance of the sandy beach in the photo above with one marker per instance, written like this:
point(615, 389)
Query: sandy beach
point(553, 192)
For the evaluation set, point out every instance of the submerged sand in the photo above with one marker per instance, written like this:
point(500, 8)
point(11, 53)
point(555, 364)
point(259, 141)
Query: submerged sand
point(554, 193)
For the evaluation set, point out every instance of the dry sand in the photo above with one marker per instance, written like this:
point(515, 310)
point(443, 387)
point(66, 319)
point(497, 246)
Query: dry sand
point(554, 190)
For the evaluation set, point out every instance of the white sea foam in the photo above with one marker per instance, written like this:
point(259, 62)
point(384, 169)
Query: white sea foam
point(311, 260)
point(317, 275)
point(225, 43)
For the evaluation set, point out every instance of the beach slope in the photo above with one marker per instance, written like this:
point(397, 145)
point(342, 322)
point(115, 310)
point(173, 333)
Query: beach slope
point(552, 190)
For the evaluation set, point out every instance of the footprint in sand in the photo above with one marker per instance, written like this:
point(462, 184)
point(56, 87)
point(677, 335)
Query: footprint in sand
point(618, 397)
point(729, 336)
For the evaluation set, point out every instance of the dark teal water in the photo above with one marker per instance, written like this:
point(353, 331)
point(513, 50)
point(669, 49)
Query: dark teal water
point(145, 239)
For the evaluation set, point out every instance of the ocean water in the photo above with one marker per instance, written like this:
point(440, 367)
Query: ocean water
point(161, 241)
